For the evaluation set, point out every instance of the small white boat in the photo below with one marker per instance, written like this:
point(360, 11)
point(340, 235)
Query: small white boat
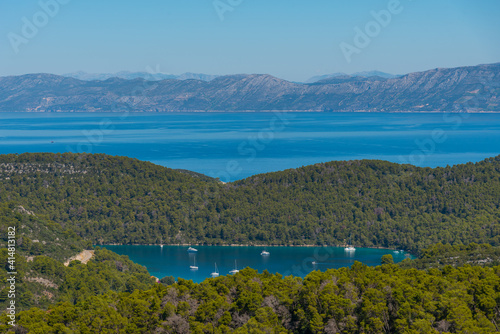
point(396, 251)
point(264, 253)
point(235, 270)
point(192, 250)
point(216, 272)
point(350, 248)
point(194, 266)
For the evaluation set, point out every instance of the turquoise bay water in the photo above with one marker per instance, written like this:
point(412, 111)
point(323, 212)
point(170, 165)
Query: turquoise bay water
point(298, 261)
point(233, 146)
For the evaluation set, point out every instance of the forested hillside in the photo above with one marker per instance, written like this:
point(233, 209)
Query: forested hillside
point(360, 299)
point(43, 281)
point(439, 256)
point(37, 235)
point(61, 203)
point(40, 250)
point(108, 199)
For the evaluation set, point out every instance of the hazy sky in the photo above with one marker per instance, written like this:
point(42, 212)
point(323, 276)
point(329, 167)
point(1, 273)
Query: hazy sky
point(287, 38)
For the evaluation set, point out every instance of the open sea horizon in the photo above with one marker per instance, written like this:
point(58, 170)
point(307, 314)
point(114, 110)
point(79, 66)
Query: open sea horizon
point(233, 146)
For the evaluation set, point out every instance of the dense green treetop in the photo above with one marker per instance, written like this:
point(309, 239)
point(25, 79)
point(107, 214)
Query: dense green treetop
point(360, 299)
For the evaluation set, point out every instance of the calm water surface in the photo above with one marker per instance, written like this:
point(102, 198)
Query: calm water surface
point(233, 146)
point(298, 261)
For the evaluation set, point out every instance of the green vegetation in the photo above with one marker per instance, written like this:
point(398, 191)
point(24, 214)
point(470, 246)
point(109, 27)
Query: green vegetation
point(108, 199)
point(44, 281)
point(104, 199)
point(37, 235)
point(439, 255)
point(61, 203)
point(387, 259)
point(360, 299)
point(202, 177)
point(41, 248)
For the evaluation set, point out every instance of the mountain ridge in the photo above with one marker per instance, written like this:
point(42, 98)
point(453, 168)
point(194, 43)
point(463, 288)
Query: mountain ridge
point(365, 74)
point(82, 75)
point(471, 89)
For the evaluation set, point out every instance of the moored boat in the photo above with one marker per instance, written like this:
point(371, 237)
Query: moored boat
point(350, 247)
point(194, 266)
point(235, 270)
point(216, 272)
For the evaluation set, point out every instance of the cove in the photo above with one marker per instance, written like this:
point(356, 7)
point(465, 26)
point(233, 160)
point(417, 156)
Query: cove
point(298, 261)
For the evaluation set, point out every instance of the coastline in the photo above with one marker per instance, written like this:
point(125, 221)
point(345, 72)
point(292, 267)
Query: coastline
point(251, 245)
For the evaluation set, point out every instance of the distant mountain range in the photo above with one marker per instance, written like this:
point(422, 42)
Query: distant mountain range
point(473, 88)
point(81, 75)
point(135, 75)
point(365, 74)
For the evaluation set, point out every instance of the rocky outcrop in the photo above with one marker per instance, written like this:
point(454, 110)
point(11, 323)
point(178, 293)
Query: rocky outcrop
point(83, 257)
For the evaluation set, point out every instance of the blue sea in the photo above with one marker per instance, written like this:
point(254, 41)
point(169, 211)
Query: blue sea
point(298, 261)
point(233, 146)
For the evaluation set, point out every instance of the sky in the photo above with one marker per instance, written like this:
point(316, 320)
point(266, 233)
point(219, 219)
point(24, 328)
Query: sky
point(290, 39)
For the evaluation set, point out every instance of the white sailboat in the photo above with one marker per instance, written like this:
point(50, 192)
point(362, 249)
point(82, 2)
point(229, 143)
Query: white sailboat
point(192, 250)
point(265, 253)
point(194, 266)
point(235, 270)
point(216, 272)
point(350, 248)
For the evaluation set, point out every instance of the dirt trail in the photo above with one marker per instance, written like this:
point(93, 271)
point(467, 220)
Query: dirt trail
point(83, 257)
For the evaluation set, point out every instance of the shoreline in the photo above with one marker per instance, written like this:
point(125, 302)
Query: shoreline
point(252, 245)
